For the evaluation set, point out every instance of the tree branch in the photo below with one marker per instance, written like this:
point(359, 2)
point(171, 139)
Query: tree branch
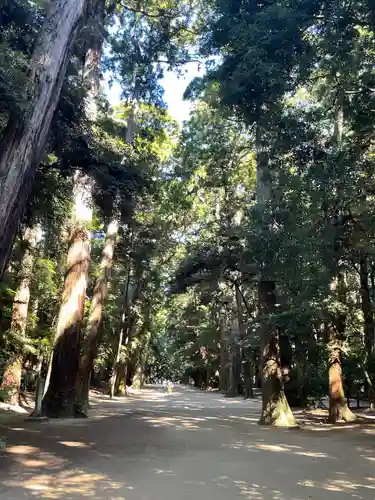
point(144, 13)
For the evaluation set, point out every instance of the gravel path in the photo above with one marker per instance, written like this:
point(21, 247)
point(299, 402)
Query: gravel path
point(184, 446)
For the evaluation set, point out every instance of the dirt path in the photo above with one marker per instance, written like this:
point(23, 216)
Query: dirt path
point(185, 446)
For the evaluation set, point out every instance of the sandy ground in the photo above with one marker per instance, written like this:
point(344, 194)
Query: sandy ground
point(184, 446)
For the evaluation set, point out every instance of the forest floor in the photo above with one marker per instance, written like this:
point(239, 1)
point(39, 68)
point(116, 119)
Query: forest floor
point(187, 445)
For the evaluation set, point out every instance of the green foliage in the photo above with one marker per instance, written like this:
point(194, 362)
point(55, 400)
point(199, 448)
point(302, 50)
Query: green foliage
point(290, 87)
point(4, 396)
point(20, 21)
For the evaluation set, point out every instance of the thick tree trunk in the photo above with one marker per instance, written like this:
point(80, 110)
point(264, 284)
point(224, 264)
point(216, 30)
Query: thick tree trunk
point(91, 341)
point(13, 370)
point(335, 334)
point(91, 76)
point(25, 139)
point(338, 407)
point(60, 399)
point(94, 37)
point(120, 381)
point(138, 375)
point(275, 407)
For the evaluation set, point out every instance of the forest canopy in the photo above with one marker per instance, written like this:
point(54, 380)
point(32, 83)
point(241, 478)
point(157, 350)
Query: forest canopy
point(233, 251)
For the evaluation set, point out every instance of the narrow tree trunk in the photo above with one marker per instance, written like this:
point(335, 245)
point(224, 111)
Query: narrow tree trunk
point(224, 361)
point(246, 351)
point(300, 365)
point(116, 365)
point(132, 120)
point(142, 354)
point(275, 407)
point(25, 139)
point(91, 340)
point(13, 369)
point(60, 399)
point(369, 329)
point(124, 319)
point(235, 361)
point(366, 304)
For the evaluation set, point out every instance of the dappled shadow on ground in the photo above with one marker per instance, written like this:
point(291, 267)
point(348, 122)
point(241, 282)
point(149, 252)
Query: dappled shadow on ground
point(52, 468)
point(317, 421)
point(135, 449)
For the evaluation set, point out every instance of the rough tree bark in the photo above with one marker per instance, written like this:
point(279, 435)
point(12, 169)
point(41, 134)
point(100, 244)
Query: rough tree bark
point(338, 407)
point(60, 398)
point(95, 15)
point(275, 407)
point(91, 341)
point(24, 140)
point(335, 330)
point(13, 370)
point(91, 77)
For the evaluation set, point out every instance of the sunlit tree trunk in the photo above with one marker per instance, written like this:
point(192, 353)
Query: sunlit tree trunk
point(24, 140)
point(91, 78)
point(336, 331)
point(139, 372)
point(13, 370)
point(91, 341)
point(275, 407)
point(60, 398)
point(338, 407)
